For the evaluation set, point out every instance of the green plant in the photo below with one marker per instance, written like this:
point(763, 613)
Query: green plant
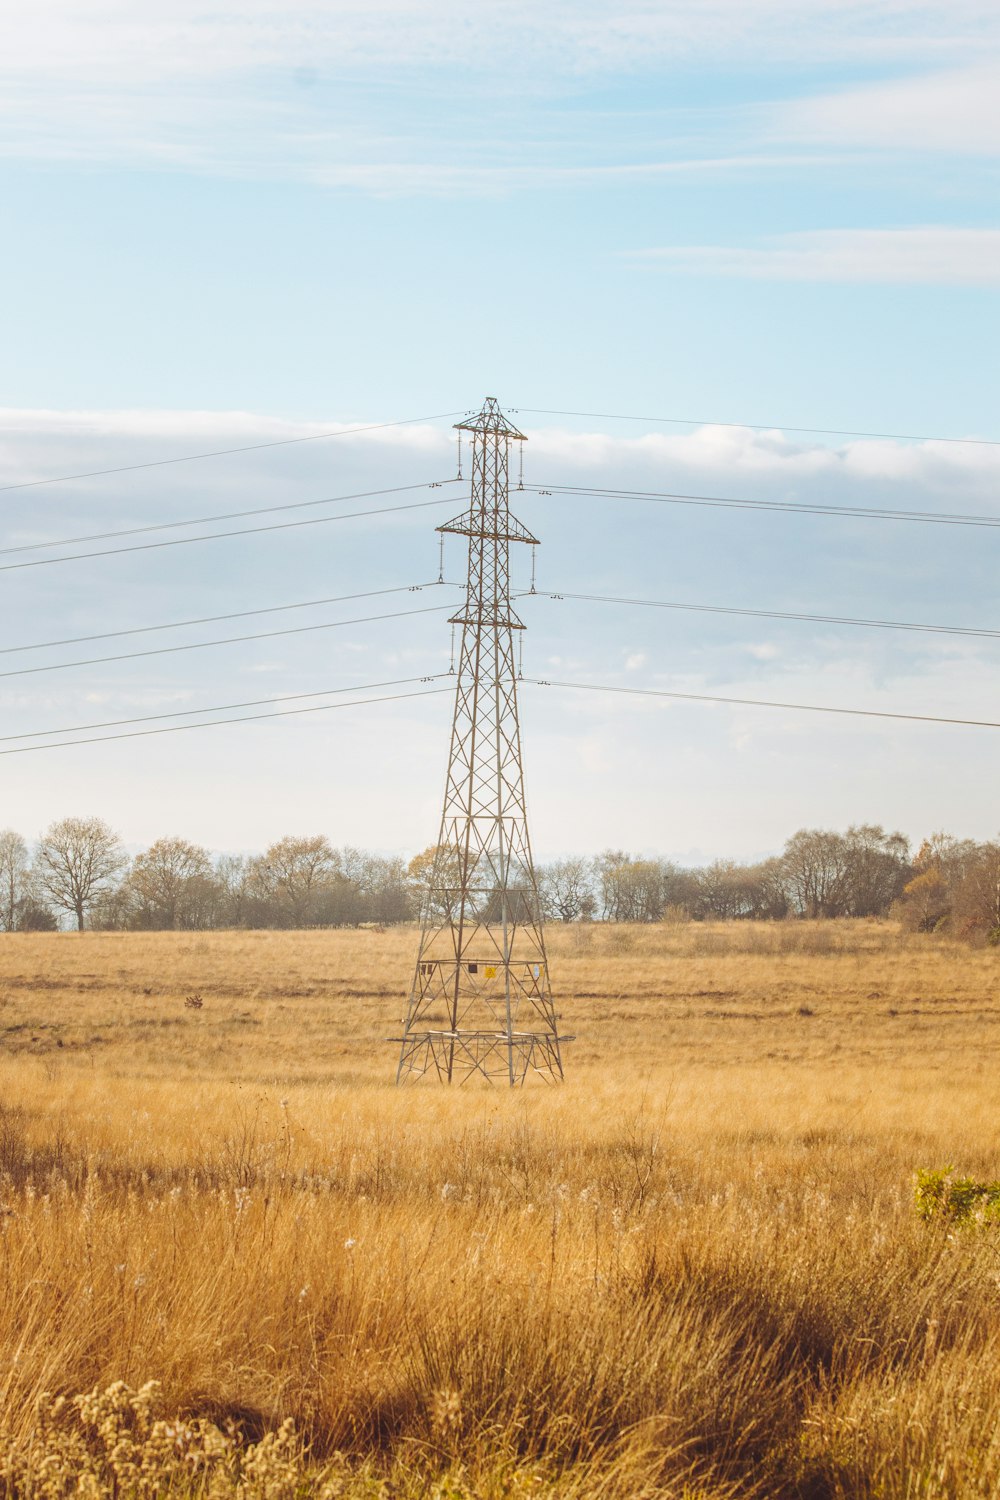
point(938, 1194)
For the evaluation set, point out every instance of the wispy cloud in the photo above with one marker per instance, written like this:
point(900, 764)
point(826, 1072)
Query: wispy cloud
point(932, 254)
point(35, 444)
point(955, 111)
point(395, 179)
point(115, 39)
point(263, 90)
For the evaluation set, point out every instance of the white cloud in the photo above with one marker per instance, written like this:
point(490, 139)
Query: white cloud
point(930, 254)
point(39, 444)
point(717, 460)
point(956, 110)
point(263, 89)
point(117, 39)
point(241, 426)
point(635, 660)
point(400, 179)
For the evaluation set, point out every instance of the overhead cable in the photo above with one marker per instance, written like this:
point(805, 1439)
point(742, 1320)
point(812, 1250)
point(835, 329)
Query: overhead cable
point(232, 515)
point(231, 640)
point(772, 614)
point(137, 734)
point(780, 507)
point(241, 614)
point(896, 437)
point(812, 708)
point(555, 594)
point(217, 708)
point(214, 536)
point(866, 713)
point(190, 458)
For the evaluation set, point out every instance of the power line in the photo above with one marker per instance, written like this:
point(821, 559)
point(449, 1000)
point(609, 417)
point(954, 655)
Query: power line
point(212, 723)
point(899, 437)
point(867, 713)
point(215, 708)
point(812, 708)
point(729, 502)
point(190, 458)
point(214, 536)
point(242, 614)
point(233, 515)
point(772, 614)
point(232, 640)
point(555, 594)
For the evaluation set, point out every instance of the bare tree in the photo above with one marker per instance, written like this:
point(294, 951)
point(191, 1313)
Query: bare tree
point(15, 879)
point(681, 889)
point(76, 862)
point(381, 883)
point(768, 892)
point(439, 862)
point(877, 869)
point(815, 866)
point(723, 887)
point(291, 874)
point(632, 890)
point(114, 909)
point(232, 878)
point(566, 889)
point(975, 896)
point(173, 885)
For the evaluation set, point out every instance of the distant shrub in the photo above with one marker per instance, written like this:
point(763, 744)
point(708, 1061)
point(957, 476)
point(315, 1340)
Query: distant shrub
point(938, 1194)
point(675, 915)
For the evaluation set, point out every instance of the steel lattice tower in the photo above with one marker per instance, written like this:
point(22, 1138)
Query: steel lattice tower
point(481, 1002)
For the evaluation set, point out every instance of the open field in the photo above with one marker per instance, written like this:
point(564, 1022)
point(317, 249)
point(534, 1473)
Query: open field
point(694, 1270)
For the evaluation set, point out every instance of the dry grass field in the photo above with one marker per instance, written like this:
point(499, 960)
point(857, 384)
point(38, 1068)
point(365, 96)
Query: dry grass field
point(694, 1270)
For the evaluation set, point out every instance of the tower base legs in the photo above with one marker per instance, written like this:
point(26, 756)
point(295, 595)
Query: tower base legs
point(494, 1056)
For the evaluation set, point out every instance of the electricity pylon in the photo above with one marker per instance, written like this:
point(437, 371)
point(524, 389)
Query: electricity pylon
point(480, 1002)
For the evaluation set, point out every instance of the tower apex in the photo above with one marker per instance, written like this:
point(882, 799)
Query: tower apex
point(491, 419)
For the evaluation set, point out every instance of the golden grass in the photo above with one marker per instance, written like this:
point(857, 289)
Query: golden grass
point(693, 1270)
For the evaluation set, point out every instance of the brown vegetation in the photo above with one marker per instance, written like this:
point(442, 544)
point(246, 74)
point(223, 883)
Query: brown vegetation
point(79, 872)
point(693, 1270)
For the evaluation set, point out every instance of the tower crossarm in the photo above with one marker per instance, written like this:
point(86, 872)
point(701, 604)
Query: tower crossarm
point(514, 532)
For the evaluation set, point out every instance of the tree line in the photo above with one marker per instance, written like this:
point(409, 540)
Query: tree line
point(79, 873)
point(859, 873)
point(948, 885)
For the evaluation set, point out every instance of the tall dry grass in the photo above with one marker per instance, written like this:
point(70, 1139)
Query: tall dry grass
point(694, 1270)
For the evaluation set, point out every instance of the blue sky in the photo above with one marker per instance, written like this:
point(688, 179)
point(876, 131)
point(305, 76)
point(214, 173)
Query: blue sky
point(229, 225)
